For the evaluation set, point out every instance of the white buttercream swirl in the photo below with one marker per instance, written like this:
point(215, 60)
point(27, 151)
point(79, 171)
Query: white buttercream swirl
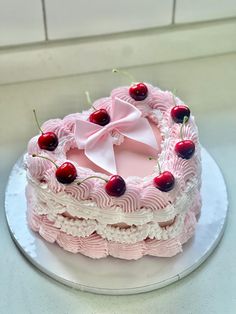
point(132, 234)
point(95, 246)
point(50, 202)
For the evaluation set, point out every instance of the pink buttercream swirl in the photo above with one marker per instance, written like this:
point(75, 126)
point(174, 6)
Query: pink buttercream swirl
point(144, 105)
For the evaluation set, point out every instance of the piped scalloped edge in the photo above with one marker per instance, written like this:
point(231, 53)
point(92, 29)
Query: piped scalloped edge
point(95, 246)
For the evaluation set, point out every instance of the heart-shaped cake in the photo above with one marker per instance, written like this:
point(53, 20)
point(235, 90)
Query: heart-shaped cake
point(122, 178)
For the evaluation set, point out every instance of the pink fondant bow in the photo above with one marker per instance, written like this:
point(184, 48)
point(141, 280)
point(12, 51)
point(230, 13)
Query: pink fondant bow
point(97, 140)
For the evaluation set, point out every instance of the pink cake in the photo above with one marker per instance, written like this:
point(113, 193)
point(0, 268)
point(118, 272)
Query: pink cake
point(127, 179)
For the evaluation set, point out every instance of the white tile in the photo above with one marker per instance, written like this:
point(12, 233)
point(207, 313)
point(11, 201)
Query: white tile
point(77, 18)
point(21, 21)
point(203, 10)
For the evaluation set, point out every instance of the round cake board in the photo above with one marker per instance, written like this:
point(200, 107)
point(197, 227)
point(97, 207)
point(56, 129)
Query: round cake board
point(115, 276)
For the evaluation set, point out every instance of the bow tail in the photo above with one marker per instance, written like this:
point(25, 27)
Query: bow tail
point(101, 153)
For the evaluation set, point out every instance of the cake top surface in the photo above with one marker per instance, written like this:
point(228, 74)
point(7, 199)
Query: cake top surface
point(134, 130)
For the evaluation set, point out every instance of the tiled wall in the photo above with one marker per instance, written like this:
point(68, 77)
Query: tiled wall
point(188, 11)
point(29, 21)
point(21, 21)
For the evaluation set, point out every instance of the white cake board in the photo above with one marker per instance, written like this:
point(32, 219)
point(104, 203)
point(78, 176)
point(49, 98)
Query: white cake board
point(115, 276)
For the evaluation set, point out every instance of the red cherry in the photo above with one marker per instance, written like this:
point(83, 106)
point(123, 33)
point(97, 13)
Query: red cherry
point(164, 181)
point(185, 149)
point(138, 91)
point(179, 112)
point(100, 117)
point(48, 141)
point(66, 173)
point(115, 186)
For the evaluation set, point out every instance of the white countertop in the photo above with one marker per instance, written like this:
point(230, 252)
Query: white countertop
point(208, 86)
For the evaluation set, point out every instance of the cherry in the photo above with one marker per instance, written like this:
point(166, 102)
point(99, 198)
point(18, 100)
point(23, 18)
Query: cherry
point(66, 173)
point(164, 181)
point(48, 140)
point(100, 117)
point(185, 149)
point(138, 91)
point(179, 112)
point(115, 186)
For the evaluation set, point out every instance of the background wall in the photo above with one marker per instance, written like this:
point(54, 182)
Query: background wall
point(31, 21)
point(44, 39)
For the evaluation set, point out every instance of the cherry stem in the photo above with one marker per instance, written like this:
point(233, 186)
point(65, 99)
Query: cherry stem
point(89, 101)
point(44, 157)
point(158, 164)
point(37, 121)
point(124, 73)
point(174, 91)
point(151, 158)
point(185, 120)
point(173, 96)
point(159, 167)
point(92, 177)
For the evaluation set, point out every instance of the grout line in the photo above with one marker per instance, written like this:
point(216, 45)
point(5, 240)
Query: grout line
point(173, 12)
point(45, 20)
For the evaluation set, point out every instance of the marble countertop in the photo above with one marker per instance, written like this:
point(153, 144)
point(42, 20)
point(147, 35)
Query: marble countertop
point(208, 86)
